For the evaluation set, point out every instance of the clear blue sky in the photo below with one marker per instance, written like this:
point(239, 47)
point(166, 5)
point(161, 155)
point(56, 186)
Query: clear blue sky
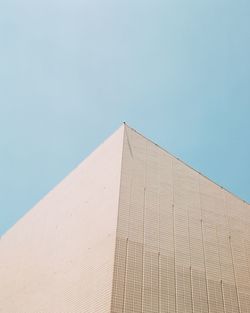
point(72, 70)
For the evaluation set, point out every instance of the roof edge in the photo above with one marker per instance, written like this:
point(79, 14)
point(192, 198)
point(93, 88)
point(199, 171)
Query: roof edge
point(174, 156)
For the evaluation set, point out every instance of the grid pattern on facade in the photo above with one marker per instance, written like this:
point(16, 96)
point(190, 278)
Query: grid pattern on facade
point(182, 241)
point(175, 242)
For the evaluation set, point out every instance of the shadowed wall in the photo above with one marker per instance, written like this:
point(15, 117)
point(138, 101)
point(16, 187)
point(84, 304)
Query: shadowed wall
point(183, 242)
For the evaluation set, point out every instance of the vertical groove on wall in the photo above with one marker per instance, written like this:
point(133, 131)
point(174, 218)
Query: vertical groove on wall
point(223, 297)
point(129, 145)
point(159, 283)
point(221, 281)
point(143, 228)
point(125, 277)
point(159, 255)
point(143, 231)
point(121, 172)
point(204, 259)
point(248, 262)
point(203, 247)
point(173, 217)
point(231, 252)
point(175, 282)
point(190, 265)
point(236, 287)
point(118, 218)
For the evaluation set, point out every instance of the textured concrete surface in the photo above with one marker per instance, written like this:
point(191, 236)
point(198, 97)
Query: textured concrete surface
point(183, 242)
point(131, 230)
point(59, 258)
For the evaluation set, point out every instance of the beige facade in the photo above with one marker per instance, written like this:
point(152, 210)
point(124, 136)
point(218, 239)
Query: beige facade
point(59, 257)
point(131, 230)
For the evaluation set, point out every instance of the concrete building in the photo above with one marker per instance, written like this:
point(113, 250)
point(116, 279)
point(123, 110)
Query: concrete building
point(131, 230)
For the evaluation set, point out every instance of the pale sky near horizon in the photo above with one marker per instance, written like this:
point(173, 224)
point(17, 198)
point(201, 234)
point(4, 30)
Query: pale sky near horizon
point(71, 71)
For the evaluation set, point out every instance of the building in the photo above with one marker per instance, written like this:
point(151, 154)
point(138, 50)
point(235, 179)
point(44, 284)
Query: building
point(131, 230)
